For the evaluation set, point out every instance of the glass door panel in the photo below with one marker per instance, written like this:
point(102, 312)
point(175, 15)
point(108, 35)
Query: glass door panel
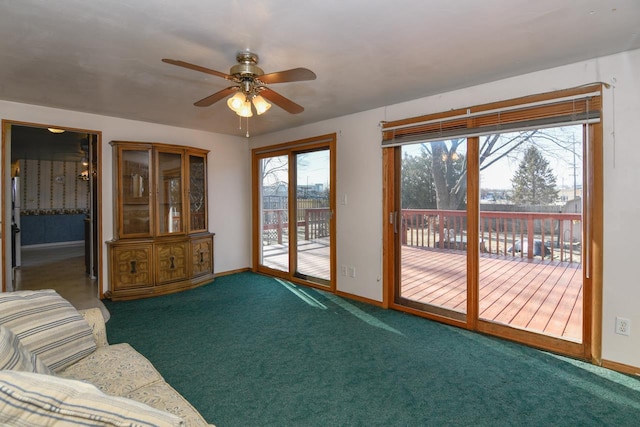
point(136, 205)
point(432, 228)
point(197, 194)
point(170, 193)
point(274, 204)
point(313, 216)
point(531, 232)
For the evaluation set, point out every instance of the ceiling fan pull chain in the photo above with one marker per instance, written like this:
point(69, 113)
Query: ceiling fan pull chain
point(247, 126)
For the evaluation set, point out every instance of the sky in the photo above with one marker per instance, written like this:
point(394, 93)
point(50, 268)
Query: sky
point(313, 168)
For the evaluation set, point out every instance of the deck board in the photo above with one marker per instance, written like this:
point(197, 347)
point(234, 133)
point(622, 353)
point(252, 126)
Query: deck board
point(537, 295)
point(313, 258)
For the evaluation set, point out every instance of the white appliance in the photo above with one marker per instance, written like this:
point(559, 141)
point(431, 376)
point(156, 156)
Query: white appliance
point(15, 223)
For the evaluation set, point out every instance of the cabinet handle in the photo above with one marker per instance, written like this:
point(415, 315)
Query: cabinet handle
point(133, 267)
point(201, 257)
point(172, 259)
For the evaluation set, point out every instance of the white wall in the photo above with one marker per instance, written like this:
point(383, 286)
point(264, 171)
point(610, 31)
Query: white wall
point(228, 173)
point(359, 175)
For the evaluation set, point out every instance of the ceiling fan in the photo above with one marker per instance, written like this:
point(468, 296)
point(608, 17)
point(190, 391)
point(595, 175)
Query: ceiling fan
point(250, 85)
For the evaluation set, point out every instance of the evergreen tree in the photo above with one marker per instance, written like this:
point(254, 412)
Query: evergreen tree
point(534, 182)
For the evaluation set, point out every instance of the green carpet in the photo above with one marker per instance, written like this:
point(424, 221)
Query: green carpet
point(248, 350)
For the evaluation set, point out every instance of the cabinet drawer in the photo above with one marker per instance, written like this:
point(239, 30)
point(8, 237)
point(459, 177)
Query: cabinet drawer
point(131, 267)
point(202, 256)
point(172, 261)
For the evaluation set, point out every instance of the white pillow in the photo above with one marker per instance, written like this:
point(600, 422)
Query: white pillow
point(28, 398)
point(15, 357)
point(48, 326)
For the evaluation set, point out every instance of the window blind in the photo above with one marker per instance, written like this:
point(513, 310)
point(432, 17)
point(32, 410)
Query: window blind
point(553, 109)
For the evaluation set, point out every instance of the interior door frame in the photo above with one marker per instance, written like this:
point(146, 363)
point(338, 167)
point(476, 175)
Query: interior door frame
point(95, 188)
point(591, 346)
point(291, 149)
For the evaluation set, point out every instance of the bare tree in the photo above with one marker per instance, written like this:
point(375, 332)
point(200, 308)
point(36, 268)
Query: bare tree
point(451, 193)
point(274, 170)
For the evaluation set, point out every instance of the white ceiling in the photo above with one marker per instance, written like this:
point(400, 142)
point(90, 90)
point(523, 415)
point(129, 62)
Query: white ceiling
point(104, 56)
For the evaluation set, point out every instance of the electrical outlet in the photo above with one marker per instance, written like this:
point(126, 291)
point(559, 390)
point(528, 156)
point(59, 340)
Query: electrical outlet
point(352, 272)
point(623, 326)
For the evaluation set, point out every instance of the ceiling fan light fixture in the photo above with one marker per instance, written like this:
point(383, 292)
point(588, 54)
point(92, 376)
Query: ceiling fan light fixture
point(245, 110)
point(236, 101)
point(261, 104)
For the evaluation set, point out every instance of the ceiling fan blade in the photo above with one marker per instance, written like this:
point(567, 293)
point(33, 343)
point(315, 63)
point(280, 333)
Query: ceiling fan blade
point(293, 75)
point(282, 102)
point(211, 99)
point(197, 68)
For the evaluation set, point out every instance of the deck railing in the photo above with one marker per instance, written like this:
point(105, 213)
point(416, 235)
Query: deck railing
point(554, 236)
point(275, 226)
point(313, 224)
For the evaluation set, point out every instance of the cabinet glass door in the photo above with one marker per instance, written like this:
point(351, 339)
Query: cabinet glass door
point(197, 194)
point(136, 205)
point(170, 193)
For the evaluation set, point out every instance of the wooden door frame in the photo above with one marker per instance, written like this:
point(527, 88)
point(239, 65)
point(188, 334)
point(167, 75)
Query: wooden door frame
point(5, 228)
point(291, 149)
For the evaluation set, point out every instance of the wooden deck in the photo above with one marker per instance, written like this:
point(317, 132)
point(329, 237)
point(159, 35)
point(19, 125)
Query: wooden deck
point(536, 295)
point(313, 258)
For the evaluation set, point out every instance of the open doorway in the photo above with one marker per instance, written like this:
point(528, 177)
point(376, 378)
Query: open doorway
point(50, 211)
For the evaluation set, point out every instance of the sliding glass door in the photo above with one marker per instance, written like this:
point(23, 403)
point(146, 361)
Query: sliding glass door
point(273, 175)
point(433, 228)
point(531, 206)
point(294, 220)
point(498, 227)
point(313, 215)
point(522, 262)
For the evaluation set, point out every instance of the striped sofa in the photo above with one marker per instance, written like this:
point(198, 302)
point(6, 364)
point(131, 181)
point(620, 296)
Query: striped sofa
point(57, 368)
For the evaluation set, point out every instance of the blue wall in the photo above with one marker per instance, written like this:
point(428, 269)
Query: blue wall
point(38, 229)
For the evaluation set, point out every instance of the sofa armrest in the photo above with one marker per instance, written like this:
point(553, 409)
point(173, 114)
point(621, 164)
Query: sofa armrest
point(94, 317)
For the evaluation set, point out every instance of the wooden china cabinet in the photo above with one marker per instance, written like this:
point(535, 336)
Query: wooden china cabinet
point(162, 243)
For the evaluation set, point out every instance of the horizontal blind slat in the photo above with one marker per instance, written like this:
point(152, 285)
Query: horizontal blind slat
point(568, 106)
point(592, 117)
